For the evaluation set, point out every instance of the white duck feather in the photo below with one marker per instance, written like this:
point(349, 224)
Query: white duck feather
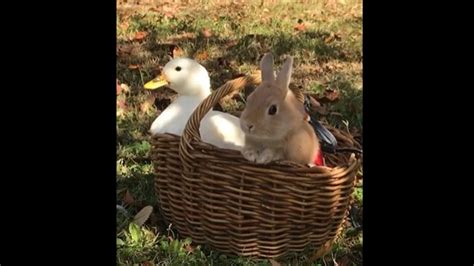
point(192, 83)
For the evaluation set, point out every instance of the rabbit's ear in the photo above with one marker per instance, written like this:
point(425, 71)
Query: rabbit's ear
point(266, 66)
point(283, 77)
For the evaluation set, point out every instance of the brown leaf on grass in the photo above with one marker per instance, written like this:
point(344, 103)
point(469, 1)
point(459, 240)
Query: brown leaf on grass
point(132, 66)
point(300, 26)
point(206, 33)
point(170, 47)
point(177, 52)
point(185, 36)
point(201, 55)
point(147, 263)
point(139, 36)
point(328, 96)
point(128, 198)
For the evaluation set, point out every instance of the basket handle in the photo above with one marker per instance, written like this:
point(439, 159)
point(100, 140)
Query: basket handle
point(192, 126)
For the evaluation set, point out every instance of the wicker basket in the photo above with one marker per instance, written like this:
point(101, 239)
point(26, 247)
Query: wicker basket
point(219, 199)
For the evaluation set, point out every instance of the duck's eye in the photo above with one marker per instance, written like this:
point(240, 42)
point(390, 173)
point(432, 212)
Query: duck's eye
point(272, 110)
point(178, 68)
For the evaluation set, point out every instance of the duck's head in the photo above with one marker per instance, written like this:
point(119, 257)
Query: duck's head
point(185, 76)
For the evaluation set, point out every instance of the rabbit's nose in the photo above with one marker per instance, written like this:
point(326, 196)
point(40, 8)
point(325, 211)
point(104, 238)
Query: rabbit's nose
point(250, 127)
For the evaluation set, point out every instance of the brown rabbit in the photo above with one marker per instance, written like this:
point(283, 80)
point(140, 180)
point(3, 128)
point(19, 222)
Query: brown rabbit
point(274, 121)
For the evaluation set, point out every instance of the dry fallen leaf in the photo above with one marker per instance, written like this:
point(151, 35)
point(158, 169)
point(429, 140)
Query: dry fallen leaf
point(133, 66)
point(201, 55)
point(177, 52)
point(143, 215)
point(181, 37)
point(140, 35)
point(329, 96)
point(300, 26)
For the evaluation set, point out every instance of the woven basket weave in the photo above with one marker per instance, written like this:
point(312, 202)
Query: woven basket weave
point(220, 199)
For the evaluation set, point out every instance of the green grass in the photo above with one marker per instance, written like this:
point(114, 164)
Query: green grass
point(328, 55)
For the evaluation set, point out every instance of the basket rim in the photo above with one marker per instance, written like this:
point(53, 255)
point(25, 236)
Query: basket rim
point(191, 136)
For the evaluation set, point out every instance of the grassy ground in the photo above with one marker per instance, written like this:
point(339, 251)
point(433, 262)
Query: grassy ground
point(325, 38)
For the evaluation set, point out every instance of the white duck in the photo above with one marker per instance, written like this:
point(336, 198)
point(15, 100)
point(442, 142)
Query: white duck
point(192, 83)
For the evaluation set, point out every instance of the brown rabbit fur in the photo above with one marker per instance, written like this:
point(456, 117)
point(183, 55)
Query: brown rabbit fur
point(274, 120)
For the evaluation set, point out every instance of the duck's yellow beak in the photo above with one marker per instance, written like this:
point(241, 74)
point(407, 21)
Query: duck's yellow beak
point(156, 83)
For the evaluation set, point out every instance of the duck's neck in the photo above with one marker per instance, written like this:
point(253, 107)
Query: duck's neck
point(200, 94)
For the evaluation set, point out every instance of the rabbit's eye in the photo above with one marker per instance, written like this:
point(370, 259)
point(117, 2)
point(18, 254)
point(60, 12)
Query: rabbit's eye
point(178, 68)
point(272, 110)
